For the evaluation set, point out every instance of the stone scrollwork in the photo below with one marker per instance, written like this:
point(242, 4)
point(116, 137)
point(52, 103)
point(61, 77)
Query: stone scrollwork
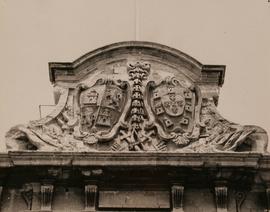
point(240, 197)
point(135, 112)
point(27, 195)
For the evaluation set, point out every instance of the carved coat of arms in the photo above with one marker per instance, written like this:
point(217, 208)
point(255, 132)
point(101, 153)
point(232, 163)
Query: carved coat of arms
point(173, 104)
point(134, 114)
point(99, 109)
point(101, 106)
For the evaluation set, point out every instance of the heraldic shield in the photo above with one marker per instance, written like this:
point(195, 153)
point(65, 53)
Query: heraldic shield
point(100, 106)
point(173, 104)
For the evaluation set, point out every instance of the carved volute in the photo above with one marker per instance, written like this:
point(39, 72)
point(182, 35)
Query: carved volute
point(136, 96)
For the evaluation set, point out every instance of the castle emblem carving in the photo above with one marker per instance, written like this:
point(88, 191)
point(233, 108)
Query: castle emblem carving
point(99, 108)
point(135, 109)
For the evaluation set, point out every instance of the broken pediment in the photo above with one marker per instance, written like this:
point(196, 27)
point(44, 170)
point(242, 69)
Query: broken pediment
point(136, 96)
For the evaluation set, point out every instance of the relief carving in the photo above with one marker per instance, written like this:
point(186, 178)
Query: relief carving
point(177, 198)
point(135, 112)
point(99, 109)
point(133, 135)
point(218, 134)
point(90, 197)
point(240, 197)
point(27, 195)
point(174, 110)
point(221, 195)
point(46, 197)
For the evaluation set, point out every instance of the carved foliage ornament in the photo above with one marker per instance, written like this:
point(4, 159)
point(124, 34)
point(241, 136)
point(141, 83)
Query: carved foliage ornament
point(135, 114)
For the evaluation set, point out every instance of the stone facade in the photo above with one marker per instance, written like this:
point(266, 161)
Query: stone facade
point(135, 127)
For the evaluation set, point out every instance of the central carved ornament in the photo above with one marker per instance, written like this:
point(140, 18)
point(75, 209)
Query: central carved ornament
point(136, 114)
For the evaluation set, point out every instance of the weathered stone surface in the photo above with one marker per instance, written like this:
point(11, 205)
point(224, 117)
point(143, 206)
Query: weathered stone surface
point(33, 158)
point(136, 96)
point(135, 128)
point(73, 178)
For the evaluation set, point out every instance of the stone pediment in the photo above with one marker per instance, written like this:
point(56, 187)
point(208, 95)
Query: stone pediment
point(118, 54)
point(136, 96)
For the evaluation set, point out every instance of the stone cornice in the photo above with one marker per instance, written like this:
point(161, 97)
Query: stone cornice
point(153, 159)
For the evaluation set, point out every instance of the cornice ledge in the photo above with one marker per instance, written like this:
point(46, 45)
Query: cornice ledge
point(203, 160)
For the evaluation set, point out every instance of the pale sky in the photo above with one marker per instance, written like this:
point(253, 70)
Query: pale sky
point(225, 32)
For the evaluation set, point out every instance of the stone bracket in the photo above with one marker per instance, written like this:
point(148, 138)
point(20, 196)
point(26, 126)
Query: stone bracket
point(221, 194)
point(177, 198)
point(27, 195)
point(240, 197)
point(265, 177)
point(268, 198)
point(90, 197)
point(30, 193)
point(1, 190)
point(46, 197)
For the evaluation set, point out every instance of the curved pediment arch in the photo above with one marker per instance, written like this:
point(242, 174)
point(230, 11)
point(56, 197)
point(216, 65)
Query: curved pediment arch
point(118, 54)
